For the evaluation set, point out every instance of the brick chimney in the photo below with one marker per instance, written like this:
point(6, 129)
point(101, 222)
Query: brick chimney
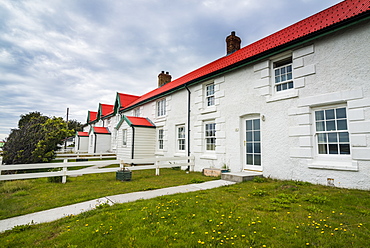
point(163, 78)
point(232, 43)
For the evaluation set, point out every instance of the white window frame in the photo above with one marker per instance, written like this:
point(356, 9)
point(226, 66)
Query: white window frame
point(124, 137)
point(282, 74)
point(210, 136)
point(181, 138)
point(325, 139)
point(209, 94)
point(160, 139)
point(136, 112)
point(161, 107)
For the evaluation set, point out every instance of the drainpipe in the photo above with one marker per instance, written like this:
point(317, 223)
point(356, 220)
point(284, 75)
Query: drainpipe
point(133, 142)
point(96, 137)
point(189, 93)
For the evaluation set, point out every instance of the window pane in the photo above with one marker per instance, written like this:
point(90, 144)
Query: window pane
point(256, 124)
point(277, 79)
point(330, 126)
point(321, 138)
point(278, 88)
point(249, 147)
point(256, 136)
point(329, 114)
point(277, 72)
point(257, 148)
point(249, 124)
point(283, 78)
point(333, 149)
point(319, 115)
point(322, 149)
point(285, 86)
point(343, 137)
point(257, 159)
point(320, 126)
point(249, 136)
point(289, 76)
point(332, 137)
point(289, 68)
point(282, 70)
point(341, 124)
point(290, 85)
point(341, 113)
point(344, 149)
point(249, 159)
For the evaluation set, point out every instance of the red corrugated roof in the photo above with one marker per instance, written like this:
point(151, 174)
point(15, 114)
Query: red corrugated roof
point(102, 130)
point(92, 116)
point(140, 121)
point(105, 109)
point(126, 99)
point(82, 134)
point(326, 18)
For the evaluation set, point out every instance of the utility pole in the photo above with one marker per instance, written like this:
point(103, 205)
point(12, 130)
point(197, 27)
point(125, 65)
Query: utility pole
point(65, 142)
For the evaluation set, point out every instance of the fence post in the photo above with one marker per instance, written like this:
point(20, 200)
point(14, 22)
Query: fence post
point(64, 177)
point(190, 164)
point(157, 168)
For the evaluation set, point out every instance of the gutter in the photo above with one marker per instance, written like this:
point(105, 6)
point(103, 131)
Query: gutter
point(189, 110)
point(133, 142)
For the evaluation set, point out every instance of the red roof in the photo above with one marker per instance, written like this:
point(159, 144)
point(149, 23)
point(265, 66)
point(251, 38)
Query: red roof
point(126, 99)
point(140, 121)
point(102, 130)
point(91, 116)
point(105, 109)
point(83, 134)
point(324, 19)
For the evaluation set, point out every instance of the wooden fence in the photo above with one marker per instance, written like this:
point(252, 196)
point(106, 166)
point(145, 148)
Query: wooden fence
point(93, 167)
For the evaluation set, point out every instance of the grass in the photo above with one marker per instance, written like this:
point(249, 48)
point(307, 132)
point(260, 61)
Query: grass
point(258, 213)
point(27, 196)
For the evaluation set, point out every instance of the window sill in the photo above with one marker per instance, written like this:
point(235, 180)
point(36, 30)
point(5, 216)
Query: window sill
point(209, 156)
point(208, 110)
point(333, 165)
point(179, 154)
point(283, 95)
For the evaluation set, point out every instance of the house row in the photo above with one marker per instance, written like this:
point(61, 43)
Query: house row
point(293, 105)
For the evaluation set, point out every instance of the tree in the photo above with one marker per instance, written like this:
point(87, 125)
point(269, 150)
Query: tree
point(35, 140)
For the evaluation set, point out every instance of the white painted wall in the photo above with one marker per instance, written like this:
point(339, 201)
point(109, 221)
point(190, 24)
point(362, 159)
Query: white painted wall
point(331, 70)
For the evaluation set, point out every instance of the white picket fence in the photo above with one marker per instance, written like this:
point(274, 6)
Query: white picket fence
point(95, 167)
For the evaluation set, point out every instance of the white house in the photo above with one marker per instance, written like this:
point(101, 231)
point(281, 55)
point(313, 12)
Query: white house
point(294, 105)
point(81, 142)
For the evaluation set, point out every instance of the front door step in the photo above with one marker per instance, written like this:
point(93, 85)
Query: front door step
point(240, 176)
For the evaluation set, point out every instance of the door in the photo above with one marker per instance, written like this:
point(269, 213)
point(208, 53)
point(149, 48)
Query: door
point(252, 145)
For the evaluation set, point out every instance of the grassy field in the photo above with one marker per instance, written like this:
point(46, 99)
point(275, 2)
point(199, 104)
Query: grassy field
point(260, 213)
point(28, 196)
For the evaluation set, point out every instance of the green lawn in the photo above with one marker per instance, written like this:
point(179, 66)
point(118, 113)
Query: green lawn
point(28, 196)
point(260, 213)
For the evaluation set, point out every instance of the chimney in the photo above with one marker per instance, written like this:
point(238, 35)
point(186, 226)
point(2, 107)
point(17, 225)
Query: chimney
point(163, 78)
point(232, 43)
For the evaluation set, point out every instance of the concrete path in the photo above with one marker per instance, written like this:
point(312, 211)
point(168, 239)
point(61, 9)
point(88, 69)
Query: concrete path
point(58, 213)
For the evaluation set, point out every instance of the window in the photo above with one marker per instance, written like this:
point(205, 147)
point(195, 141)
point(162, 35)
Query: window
point(210, 94)
point(283, 76)
point(161, 107)
point(181, 138)
point(253, 142)
point(124, 137)
point(332, 132)
point(137, 112)
point(160, 139)
point(210, 136)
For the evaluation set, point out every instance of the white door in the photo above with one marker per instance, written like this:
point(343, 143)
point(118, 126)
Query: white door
point(252, 145)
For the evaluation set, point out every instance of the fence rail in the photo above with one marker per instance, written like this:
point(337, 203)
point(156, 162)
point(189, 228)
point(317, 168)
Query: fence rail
point(95, 167)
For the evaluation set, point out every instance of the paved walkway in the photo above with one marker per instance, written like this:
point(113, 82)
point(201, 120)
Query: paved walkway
point(58, 213)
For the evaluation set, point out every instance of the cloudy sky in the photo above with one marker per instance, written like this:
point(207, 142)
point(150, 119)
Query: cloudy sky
point(75, 54)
